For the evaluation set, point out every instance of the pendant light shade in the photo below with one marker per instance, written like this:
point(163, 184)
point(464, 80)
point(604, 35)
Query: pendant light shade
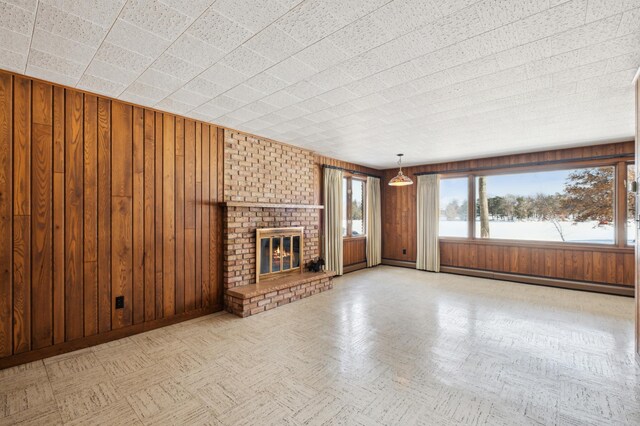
point(400, 179)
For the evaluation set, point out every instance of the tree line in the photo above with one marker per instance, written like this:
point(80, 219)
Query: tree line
point(587, 196)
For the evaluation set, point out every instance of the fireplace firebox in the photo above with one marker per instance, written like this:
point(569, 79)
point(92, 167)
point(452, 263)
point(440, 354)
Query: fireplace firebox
point(279, 251)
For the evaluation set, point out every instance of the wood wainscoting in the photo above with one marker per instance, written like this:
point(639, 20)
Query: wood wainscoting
point(100, 199)
point(354, 253)
point(608, 265)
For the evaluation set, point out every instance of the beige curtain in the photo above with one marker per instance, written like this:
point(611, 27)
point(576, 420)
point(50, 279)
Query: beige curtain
point(428, 213)
point(374, 233)
point(333, 219)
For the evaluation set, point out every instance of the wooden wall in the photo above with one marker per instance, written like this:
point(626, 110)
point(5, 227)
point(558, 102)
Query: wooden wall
point(605, 265)
point(611, 265)
point(99, 199)
point(354, 250)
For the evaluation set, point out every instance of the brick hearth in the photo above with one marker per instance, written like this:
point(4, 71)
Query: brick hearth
point(255, 298)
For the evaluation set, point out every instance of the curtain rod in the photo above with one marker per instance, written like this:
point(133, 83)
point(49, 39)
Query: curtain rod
point(535, 163)
point(355, 172)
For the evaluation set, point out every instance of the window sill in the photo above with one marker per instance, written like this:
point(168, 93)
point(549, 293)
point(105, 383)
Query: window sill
point(539, 244)
point(359, 237)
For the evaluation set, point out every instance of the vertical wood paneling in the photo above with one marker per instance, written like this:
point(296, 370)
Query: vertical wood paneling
point(610, 267)
point(220, 166)
point(190, 215)
point(21, 215)
point(138, 216)
point(206, 217)
point(149, 216)
point(159, 214)
point(121, 212)
point(354, 251)
point(607, 265)
point(74, 302)
point(22, 147)
point(219, 171)
point(122, 259)
point(628, 268)
point(21, 287)
point(104, 215)
point(59, 268)
point(93, 194)
point(179, 214)
point(198, 207)
point(42, 218)
point(214, 216)
point(6, 213)
point(168, 216)
point(90, 241)
point(588, 265)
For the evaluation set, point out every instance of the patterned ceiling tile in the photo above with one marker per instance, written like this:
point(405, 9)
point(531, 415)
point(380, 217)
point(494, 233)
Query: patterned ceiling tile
point(136, 39)
point(471, 77)
point(100, 13)
point(274, 44)
point(156, 17)
point(15, 18)
point(219, 31)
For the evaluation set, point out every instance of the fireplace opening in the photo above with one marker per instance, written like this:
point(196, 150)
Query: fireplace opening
point(278, 251)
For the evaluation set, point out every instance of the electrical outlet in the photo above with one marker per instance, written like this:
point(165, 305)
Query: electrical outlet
point(404, 251)
point(120, 302)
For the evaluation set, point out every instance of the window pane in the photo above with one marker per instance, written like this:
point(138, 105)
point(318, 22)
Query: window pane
point(295, 254)
point(561, 205)
point(454, 207)
point(631, 205)
point(344, 207)
point(357, 207)
point(286, 253)
point(264, 255)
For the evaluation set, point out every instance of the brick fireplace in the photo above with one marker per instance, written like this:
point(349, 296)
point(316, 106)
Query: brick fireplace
point(240, 228)
point(267, 185)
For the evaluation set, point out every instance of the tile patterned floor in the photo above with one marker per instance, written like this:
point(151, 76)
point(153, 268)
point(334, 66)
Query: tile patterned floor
point(385, 346)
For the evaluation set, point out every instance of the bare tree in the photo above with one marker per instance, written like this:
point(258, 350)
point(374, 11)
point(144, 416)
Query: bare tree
point(558, 226)
point(484, 207)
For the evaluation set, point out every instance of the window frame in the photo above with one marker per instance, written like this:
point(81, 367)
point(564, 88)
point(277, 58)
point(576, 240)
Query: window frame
point(625, 190)
point(349, 178)
point(619, 206)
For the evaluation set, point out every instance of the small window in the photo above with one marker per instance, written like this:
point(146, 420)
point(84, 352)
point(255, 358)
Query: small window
point(573, 205)
point(357, 208)
point(353, 207)
point(454, 207)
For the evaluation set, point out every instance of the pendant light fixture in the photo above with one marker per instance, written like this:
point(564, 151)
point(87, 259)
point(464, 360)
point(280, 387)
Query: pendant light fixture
point(400, 179)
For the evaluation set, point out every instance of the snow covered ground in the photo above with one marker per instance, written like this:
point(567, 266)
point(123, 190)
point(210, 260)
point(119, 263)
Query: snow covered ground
point(356, 227)
point(584, 232)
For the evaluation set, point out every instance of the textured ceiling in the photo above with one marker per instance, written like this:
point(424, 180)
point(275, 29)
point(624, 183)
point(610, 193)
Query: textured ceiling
point(355, 79)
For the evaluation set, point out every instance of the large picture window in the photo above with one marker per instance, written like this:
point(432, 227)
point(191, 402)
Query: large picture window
point(575, 205)
point(353, 213)
point(454, 207)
